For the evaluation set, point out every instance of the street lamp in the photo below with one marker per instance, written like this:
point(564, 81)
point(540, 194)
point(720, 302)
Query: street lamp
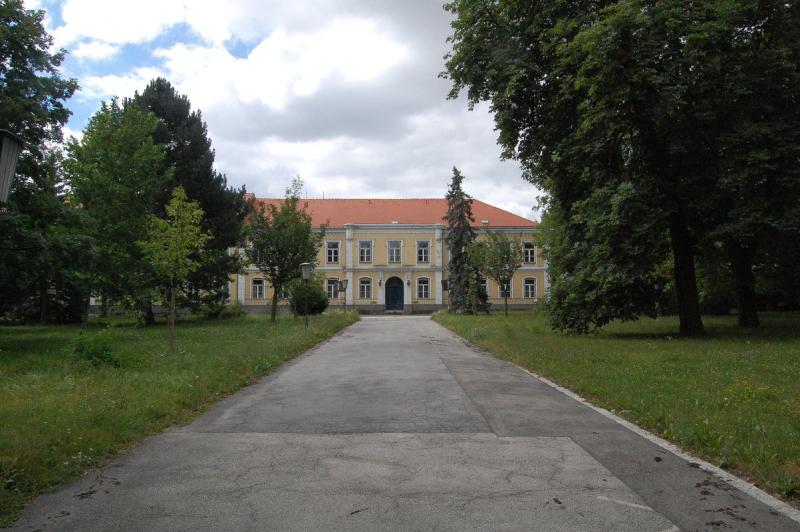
point(305, 269)
point(343, 289)
point(10, 147)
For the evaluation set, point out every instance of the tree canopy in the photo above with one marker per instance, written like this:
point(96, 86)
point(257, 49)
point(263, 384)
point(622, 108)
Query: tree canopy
point(627, 115)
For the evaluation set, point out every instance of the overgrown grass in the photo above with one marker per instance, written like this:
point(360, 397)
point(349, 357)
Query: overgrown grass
point(62, 410)
point(732, 397)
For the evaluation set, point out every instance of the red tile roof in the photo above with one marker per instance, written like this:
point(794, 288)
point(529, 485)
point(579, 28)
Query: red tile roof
point(338, 212)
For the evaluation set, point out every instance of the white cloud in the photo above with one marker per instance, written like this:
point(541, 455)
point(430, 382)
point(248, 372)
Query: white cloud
point(95, 50)
point(103, 87)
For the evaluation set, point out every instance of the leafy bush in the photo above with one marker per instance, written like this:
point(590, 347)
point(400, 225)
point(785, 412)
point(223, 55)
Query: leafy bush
point(96, 349)
point(235, 310)
point(314, 293)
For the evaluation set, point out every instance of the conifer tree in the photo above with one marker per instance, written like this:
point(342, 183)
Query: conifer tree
point(459, 236)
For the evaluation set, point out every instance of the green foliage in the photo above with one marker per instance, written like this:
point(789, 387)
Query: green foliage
point(235, 310)
point(115, 175)
point(58, 419)
point(498, 258)
point(281, 239)
point(183, 135)
point(675, 109)
point(42, 249)
point(96, 348)
point(459, 236)
point(733, 397)
point(171, 247)
point(312, 293)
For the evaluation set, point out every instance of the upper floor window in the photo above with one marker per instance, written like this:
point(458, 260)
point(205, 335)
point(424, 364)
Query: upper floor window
point(530, 288)
point(528, 253)
point(333, 252)
point(365, 251)
point(423, 288)
point(257, 289)
point(332, 288)
point(423, 251)
point(482, 285)
point(365, 288)
point(505, 289)
point(395, 250)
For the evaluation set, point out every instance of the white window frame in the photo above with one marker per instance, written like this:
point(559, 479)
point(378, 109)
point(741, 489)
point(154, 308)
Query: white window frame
point(362, 285)
point(284, 293)
point(526, 255)
point(331, 281)
point(427, 286)
point(389, 250)
point(485, 282)
point(510, 290)
point(427, 251)
point(328, 249)
point(525, 286)
point(263, 288)
point(360, 249)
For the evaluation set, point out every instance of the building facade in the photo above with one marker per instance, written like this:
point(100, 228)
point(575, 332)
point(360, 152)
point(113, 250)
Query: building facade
point(393, 254)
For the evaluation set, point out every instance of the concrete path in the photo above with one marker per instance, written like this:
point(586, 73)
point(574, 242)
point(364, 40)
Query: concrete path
point(397, 424)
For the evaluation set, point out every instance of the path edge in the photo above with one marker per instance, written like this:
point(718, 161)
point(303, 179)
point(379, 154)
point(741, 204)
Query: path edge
point(737, 482)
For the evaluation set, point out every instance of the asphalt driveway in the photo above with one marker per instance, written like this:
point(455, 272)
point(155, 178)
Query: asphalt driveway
point(397, 424)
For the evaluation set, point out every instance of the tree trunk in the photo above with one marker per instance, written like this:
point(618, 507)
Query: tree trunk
point(742, 261)
point(43, 302)
point(171, 319)
point(148, 318)
point(691, 323)
point(505, 304)
point(103, 305)
point(274, 312)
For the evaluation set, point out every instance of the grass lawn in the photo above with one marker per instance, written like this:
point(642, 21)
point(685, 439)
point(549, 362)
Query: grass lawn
point(732, 397)
point(60, 414)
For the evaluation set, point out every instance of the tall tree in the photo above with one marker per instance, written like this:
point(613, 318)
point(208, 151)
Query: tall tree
point(183, 134)
point(42, 249)
point(170, 246)
point(459, 236)
point(498, 258)
point(625, 104)
point(281, 238)
point(116, 173)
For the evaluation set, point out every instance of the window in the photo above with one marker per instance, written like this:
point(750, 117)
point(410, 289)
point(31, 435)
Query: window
point(483, 287)
point(505, 289)
point(365, 251)
point(528, 253)
point(423, 288)
point(365, 288)
point(395, 247)
point(423, 251)
point(257, 289)
point(333, 252)
point(332, 288)
point(284, 293)
point(530, 288)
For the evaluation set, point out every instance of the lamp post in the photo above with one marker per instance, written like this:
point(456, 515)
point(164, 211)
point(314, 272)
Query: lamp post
point(305, 269)
point(343, 289)
point(10, 148)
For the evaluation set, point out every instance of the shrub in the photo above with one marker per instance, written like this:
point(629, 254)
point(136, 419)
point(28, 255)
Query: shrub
point(314, 293)
point(96, 349)
point(235, 310)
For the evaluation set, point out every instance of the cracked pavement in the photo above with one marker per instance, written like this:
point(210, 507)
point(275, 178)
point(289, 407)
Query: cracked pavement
point(397, 424)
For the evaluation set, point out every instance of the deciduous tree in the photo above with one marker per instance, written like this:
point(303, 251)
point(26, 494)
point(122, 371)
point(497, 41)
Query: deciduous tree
point(280, 239)
point(498, 258)
point(170, 247)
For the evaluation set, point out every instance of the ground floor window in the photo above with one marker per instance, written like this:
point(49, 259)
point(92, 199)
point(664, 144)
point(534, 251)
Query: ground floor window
point(423, 288)
point(505, 289)
point(365, 288)
point(332, 288)
point(530, 288)
point(257, 289)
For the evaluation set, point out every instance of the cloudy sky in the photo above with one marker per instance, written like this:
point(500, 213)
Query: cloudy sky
point(344, 93)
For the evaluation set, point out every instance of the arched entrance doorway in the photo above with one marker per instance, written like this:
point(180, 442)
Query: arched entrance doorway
point(394, 294)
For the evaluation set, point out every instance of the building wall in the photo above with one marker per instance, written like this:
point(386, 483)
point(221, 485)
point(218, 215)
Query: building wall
point(408, 270)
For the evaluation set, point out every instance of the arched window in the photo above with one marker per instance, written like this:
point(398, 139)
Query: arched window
point(530, 288)
point(423, 288)
point(365, 288)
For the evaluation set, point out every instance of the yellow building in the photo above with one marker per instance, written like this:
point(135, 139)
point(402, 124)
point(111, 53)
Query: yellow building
point(393, 255)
